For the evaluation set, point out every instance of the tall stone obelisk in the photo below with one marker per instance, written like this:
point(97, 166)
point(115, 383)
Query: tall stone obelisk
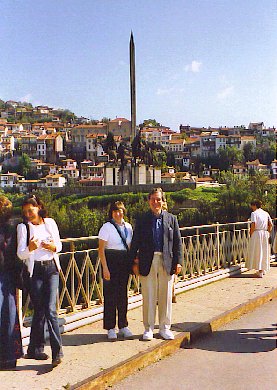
point(133, 86)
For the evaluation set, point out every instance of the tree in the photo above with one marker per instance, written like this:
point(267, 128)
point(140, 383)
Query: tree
point(121, 153)
point(136, 147)
point(234, 197)
point(25, 104)
point(24, 166)
point(150, 123)
point(228, 156)
point(266, 152)
point(258, 186)
point(66, 115)
point(159, 159)
point(109, 142)
point(197, 165)
point(170, 159)
point(109, 146)
point(249, 152)
point(147, 155)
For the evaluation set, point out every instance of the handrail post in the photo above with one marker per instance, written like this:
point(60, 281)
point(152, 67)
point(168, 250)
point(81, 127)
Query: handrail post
point(72, 283)
point(87, 283)
point(199, 271)
point(217, 245)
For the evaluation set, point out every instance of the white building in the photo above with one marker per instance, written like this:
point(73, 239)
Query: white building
point(9, 180)
point(168, 178)
point(256, 166)
point(222, 141)
point(69, 169)
point(55, 181)
point(274, 168)
point(239, 170)
point(94, 147)
point(246, 139)
point(176, 145)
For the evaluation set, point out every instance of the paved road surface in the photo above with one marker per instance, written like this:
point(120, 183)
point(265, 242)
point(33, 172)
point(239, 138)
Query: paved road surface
point(240, 356)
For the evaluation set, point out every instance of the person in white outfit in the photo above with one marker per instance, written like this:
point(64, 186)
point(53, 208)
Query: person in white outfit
point(259, 247)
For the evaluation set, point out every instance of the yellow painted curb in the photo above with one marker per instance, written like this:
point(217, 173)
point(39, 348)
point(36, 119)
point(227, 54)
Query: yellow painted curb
point(242, 309)
point(121, 370)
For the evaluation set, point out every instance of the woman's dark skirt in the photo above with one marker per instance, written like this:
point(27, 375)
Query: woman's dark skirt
point(10, 335)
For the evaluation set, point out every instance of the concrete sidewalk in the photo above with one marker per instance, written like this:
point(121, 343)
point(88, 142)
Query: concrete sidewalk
point(91, 362)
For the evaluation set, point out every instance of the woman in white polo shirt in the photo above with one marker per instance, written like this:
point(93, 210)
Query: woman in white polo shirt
point(114, 240)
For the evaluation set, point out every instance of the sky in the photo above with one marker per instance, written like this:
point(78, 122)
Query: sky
point(198, 62)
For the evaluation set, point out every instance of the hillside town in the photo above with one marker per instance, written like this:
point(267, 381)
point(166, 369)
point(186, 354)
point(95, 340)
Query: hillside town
point(43, 147)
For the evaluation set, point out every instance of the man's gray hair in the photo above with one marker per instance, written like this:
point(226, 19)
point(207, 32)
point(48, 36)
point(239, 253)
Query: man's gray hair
point(157, 189)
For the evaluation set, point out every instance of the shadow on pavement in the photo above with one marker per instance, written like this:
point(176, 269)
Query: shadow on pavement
point(244, 276)
point(239, 341)
point(41, 369)
point(88, 339)
point(191, 326)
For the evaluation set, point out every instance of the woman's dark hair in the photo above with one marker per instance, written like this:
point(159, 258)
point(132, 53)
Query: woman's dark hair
point(36, 202)
point(6, 208)
point(118, 205)
point(256, 203)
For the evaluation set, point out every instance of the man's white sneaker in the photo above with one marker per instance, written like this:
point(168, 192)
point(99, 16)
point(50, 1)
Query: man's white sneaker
point(125, 332)
point(147, 335)
point(112, 334)
point(166, 334)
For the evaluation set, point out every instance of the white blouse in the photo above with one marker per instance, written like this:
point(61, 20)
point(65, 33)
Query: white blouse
point(49, 231)
point(261, 219)
point(109, 234)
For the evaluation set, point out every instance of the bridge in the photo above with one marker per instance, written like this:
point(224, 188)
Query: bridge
point(213, 253)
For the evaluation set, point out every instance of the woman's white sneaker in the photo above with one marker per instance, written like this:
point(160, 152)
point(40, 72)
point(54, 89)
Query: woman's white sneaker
point(112, 334)
point(125, 333)
point(166, 334)
point(147, 335)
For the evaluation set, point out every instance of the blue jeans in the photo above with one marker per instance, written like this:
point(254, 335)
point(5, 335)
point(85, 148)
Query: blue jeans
point(10, 336)
point(43, 293)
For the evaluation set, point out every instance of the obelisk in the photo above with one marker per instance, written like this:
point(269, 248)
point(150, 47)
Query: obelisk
point(133, 86)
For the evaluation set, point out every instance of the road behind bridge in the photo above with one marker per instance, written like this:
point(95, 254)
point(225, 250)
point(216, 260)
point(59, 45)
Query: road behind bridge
point(240, 356)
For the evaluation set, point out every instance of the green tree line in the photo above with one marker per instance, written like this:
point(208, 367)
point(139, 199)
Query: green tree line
point(81, 216)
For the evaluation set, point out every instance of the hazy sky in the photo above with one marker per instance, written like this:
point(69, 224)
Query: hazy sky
point(198, 62)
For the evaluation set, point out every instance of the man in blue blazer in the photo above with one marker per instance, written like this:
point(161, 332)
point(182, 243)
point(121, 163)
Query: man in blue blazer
point(156, 254)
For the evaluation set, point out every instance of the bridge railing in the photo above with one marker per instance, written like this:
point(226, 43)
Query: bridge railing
point(207, 248)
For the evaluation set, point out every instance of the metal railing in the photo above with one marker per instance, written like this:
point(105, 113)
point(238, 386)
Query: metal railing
point(207, 248)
